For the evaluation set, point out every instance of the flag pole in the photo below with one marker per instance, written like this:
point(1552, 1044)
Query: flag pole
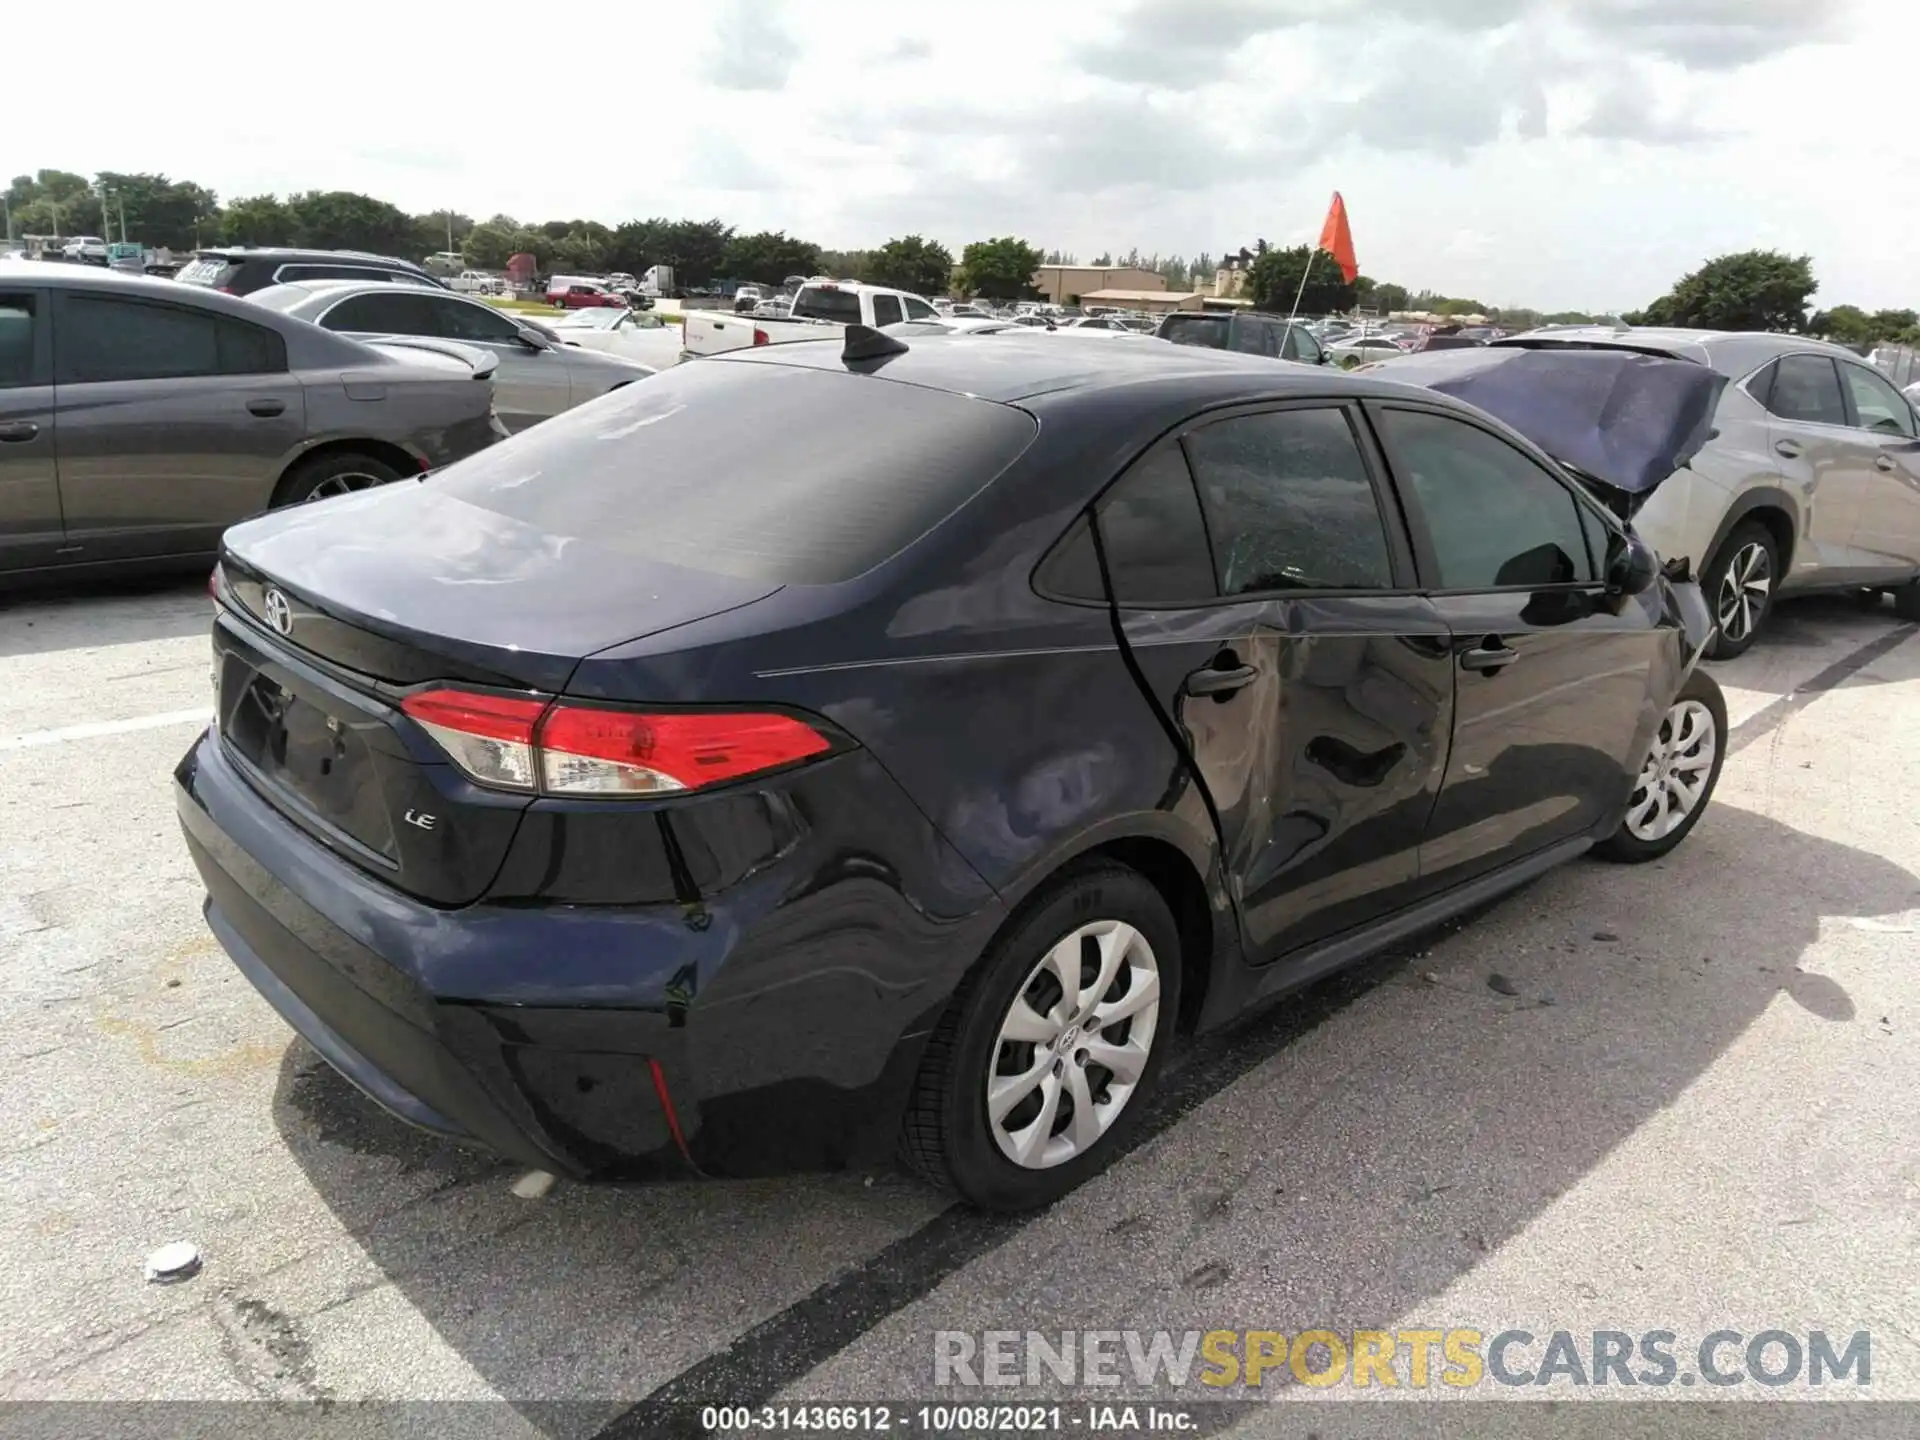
point(1300, 294)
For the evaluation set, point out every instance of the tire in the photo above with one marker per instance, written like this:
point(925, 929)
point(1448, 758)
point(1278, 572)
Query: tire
point(949, 1137)
point(1698, 702)
point(1740, 586)
point(319, 477)
point(1906, 601)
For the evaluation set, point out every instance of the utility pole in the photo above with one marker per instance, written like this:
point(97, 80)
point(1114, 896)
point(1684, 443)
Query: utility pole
point(121, 204)
point(106, 221)
point(7, 205)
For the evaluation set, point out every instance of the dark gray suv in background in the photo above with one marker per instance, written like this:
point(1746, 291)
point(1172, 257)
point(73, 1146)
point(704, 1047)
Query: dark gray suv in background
point(139, 418)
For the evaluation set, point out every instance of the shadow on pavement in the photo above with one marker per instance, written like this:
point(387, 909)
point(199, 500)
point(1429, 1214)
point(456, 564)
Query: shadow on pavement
point(1418, 1130)
point(43, 618)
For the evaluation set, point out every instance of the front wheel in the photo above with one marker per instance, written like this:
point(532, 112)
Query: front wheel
point(1045, 1058)
point(1676, 778)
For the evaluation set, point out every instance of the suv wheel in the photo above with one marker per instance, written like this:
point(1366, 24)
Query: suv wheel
point(1740, 586)
point(1677, 777)
point(1045, 1058)
point(320, 477)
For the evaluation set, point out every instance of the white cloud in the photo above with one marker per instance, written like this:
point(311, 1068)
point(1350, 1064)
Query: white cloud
point(1592, 149)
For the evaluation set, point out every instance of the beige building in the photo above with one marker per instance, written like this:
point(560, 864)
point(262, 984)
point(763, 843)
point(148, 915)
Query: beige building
point(1153, 302)
point(1074, 284)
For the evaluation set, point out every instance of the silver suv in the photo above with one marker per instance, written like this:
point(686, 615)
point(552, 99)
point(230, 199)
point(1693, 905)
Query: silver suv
point(1811, 481)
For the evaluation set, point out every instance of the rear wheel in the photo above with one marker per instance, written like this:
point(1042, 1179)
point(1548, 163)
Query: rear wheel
point(320, 477)
point(1677, 777)
point(1906, 601)
point(1044, 1060)
point(1740, 584)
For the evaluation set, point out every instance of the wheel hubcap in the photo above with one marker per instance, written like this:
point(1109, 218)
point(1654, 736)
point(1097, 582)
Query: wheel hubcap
point(1674, 779)
point(1744, 587)
point(343, 484)
point(1073, 1045)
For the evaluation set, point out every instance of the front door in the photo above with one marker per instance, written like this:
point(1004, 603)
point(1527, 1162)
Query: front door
point(1887, 537)
point(30, 530)
point(1269, 609)
point(1551, 708)
point(175, 423)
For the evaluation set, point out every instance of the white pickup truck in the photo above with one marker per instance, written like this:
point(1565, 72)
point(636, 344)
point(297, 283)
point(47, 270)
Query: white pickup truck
point(821, 310)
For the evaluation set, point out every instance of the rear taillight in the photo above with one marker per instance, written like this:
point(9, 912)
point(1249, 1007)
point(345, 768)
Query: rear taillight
point(560, 748)
point(760, 337)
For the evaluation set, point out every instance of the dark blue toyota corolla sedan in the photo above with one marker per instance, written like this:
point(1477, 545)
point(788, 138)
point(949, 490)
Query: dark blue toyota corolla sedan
point(829, 751)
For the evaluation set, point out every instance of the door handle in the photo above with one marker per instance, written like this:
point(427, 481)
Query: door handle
point(1883, 462)
point(1489, 655)
point(1220, 682)
point(267, 408)
point(1788, 448)
point(16, 430)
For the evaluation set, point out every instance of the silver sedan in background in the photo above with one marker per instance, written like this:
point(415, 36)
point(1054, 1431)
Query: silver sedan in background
point(537, 376)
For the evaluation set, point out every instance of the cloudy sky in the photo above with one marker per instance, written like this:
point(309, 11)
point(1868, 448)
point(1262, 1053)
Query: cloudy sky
point(1556, 153)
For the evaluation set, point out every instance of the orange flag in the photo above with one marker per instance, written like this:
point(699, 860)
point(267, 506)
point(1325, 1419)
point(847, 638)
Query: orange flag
point(1337, 240)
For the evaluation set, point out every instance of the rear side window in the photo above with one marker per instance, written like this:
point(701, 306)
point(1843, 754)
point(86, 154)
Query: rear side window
point(103, 338)
point(1154, 538)
point(1495, 517)
point(1289, 504)
point(16, 339)
point(748, 470)
point(1806, 388)
point(1209, 331)
point(817, 302)
point(382, 312)
point(886, 310)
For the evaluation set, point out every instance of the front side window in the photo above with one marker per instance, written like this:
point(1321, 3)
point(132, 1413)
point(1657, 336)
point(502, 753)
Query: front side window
point(919, 310)
point(1806, 388)
point(1288, 504)
point(1877, 406)
point(104, 338)
point(459, 320)
point(1496, 518)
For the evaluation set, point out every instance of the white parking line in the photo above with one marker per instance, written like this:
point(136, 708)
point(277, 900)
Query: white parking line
point(104, 727)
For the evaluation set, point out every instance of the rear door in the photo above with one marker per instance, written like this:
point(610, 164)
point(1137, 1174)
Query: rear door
point(30, 529)
point(175, 422)
point(1814, 444)
point(1266, 594)
point(1887, 536)
point(1550, 686)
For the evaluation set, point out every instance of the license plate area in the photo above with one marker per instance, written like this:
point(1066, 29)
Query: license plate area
point(314, 761)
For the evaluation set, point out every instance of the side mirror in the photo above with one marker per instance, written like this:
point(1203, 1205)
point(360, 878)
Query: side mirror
point(533, 339)
point(1632, 567)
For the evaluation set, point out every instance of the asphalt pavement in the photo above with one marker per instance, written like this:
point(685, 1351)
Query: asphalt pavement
point(1692, 1112)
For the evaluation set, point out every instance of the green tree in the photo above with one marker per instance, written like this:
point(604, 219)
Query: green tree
point(1275, 278)
point(430, 231)
point(911, 262)
point(844, 264)
point(528, 241)
point(344, 220)
point(1567, 317)
point(694, 248)
point(1388, 297)
point(769, 256)
point(488, 246)
point(158, 211)
point(257, 220)
point(1902, 326)
point(1102, 260)
point(1845, 325)
point(1747, 290)
point(1000, 269)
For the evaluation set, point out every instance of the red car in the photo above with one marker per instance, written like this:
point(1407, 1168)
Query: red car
point(581, 295)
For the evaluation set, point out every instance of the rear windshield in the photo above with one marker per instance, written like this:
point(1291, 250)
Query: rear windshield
point(1207, 330)
point(816, 302)
point(205, 271)
point(766, 472)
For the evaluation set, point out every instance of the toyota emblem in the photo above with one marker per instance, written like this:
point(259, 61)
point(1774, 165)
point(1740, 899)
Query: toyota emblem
point(278, 612)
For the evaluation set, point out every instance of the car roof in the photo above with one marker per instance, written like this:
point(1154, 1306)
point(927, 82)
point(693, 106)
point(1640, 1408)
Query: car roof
point(333, 285)
point(1732, 352)
point(1013, 366)
point(288, 252)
